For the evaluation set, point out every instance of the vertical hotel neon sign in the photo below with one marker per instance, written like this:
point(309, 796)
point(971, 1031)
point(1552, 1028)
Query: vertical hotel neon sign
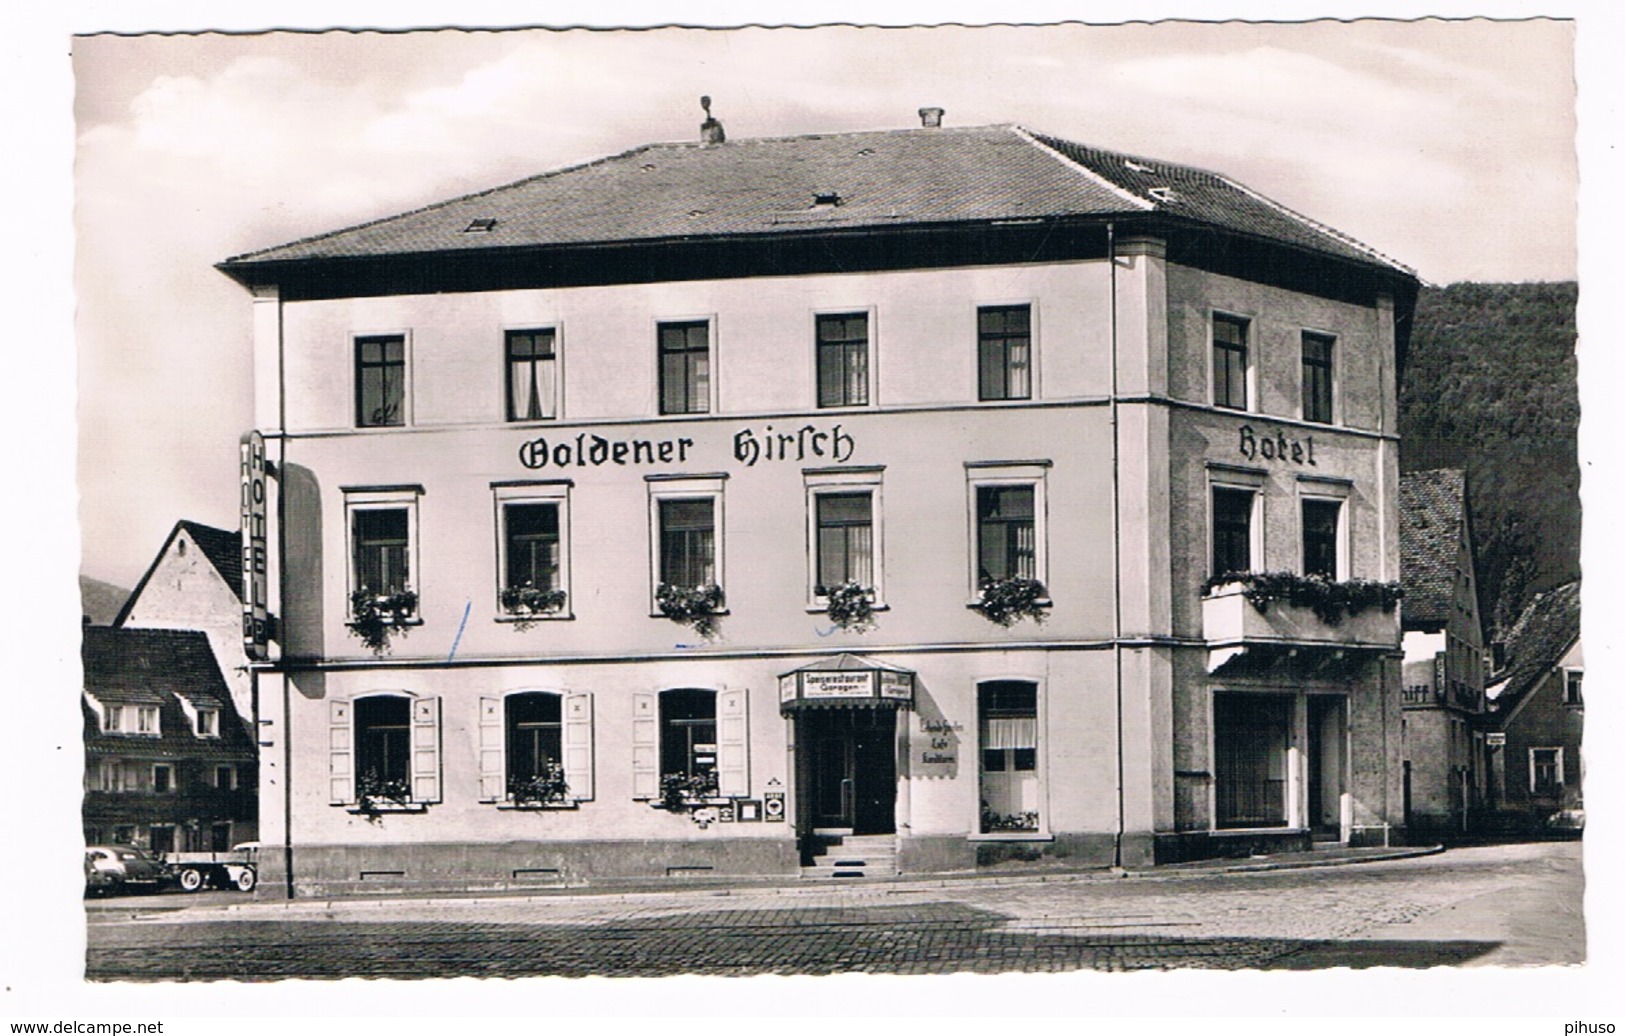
point(256, 633)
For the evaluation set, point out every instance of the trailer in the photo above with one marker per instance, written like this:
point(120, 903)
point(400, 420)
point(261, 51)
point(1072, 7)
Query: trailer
point(237, 868)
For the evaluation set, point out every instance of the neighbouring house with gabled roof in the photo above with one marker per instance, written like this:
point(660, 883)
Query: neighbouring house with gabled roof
point(1537, 713)
point(195, 583)
point(875, 502)
point(1443, 686)
point(169, 763)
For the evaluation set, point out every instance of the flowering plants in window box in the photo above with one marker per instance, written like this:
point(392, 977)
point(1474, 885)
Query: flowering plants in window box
point(691, 791)
point(693, 606)
point(993, 823)
point(548, 788)
point(850, 606)
point(375, 617)
point(528, 603)
point(375, 794)
point(1331, 600)
point(1007, 601)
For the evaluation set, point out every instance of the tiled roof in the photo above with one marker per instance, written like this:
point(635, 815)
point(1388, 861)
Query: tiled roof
point(222, 547)
point(1432, 507)
point(893, 178)
point(157, 666)
point(1549, 625)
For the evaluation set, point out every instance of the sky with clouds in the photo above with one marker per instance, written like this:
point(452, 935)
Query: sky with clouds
point(1446, 144)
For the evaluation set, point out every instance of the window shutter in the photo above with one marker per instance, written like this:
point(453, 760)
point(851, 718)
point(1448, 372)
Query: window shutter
point(340, 752)
point(426, 750)
point(493, 742)
point(645, 746)
point(733, 751)
point(578, 745)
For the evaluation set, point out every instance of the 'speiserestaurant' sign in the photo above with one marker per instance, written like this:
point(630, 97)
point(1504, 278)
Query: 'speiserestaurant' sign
point(845, 680)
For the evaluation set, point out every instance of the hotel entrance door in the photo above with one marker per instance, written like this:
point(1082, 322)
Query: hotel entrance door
point(849, 768)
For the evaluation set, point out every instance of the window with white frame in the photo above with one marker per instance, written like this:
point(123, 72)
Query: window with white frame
point(1231, 364)
point(1007, 722)
point(1233, 529)
point(208, 722)
point(146, 720)
point(1572, 680)
point(1004, 352)
point(163, 778)
point(685, 366)
point(384, 751)
point(686, 521)
point(1545, 771)
point(225, 777)
point(1007, 521)
point(691, 742)
point(532, 367)
point(380, 381)
point(843, 359)
point(533, 526)
point(1323, 526)
point(845, 531)
point(1317, 377)
point(536, 749)
point(382, 528)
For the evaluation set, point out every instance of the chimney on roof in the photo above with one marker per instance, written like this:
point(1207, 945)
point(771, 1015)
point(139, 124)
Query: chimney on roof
point(710, 129)
point(931, 118)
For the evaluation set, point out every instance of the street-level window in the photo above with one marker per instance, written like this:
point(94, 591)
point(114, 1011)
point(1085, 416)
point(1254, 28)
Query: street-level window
point(1572, 679)
point(383, 727)
point(380, 381)
point(1229, 362)
point(163, 778)
point(1251, 735)
point(532, 370)
point(220, 836)
point(688, 736)
point(843, 359)
point(1008, 728)
point(535, 724)
point(536, 749)
point(1321, 519)
point(1004, 352)
point(1317, 377)
point(1545, 771)
point(845, 539)
point(161, 838)
point(685, 367)
point(1006, 533)
point(1232, 530)
point(208, 722)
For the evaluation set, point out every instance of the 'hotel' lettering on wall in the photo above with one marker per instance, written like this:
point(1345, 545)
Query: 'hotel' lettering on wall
point(1277, 447)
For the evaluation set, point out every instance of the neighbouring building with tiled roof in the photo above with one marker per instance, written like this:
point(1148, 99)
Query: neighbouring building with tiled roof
point(169, 763)
point(856, 503)
point(1537, 712)
point(1443, 693)
point(195, 583)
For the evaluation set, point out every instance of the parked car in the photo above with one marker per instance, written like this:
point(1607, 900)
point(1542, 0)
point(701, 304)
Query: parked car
point(237, 869)
point(112, 868)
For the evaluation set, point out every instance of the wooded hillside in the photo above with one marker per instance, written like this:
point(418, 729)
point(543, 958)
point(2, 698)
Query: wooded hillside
point(1491, 385)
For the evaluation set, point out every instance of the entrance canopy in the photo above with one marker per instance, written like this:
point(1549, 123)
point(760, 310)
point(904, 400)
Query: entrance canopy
point(848, 681)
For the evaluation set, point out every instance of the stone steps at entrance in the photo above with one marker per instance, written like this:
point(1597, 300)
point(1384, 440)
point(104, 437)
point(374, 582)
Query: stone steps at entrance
point(853, 856)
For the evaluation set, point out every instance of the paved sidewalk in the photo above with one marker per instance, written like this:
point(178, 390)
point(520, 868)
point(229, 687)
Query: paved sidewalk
point(267, 904)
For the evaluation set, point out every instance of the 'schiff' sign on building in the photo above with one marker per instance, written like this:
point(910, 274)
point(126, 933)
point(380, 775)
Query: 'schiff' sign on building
point(256, 624)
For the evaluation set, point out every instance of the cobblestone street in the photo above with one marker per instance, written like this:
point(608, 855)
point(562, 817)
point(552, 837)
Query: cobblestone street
point(1506, 905)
